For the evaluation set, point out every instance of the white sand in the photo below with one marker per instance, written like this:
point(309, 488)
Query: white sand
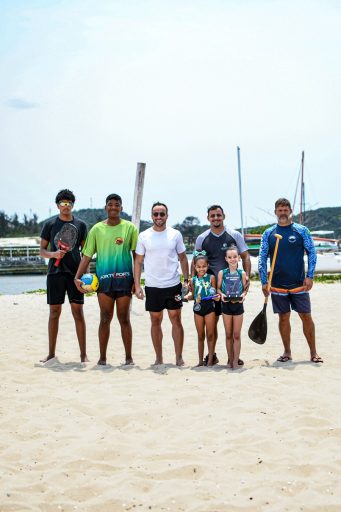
point(82, 438)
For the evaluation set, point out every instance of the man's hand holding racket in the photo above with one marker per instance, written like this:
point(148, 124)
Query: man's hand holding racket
point(67, 239)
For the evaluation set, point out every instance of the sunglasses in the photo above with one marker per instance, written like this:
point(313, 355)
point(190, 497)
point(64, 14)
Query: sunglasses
point(159, 214)
point(65, 203)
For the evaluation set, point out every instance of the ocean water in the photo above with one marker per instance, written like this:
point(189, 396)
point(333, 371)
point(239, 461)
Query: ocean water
point(13, 285)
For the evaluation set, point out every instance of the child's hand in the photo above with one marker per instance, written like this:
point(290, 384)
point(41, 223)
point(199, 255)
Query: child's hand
point(223, 297)
point(188, 296)
point(217, 298)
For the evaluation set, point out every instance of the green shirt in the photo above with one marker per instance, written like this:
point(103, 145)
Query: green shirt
point(112, 246)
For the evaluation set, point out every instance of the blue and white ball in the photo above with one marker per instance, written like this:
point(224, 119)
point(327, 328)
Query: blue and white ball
point(90, 282)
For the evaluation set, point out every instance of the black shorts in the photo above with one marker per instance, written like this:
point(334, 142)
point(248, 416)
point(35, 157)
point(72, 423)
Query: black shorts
point(207, 307)
point(116, 294)
point(217, 308)
point(232, 308)
point(158, 299)
point(58, 285)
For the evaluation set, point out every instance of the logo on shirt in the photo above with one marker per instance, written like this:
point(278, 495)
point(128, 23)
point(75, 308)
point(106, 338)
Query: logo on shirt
point(117, 275)
point(119, 241)
point(292, 239)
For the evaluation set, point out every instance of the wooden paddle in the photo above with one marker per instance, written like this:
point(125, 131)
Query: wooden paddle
point(259, 327)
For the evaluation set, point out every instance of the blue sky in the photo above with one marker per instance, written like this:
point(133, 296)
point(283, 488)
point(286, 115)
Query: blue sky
point(89, 88)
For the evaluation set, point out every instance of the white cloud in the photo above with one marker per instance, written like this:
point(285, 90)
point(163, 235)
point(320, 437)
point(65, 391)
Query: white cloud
point(179, 86)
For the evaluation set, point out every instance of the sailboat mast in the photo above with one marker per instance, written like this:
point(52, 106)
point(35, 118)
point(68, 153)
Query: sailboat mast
point(240, 192)
point(302, 205)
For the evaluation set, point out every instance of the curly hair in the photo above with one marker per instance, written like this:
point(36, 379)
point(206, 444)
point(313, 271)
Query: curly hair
point(65, 194)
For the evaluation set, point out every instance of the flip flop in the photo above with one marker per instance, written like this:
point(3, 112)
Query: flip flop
point(284, 359)
point(316, 359)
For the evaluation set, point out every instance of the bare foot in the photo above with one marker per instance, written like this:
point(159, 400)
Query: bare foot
point(47, 358)
point(101, 363)
point(180, 362)
point(229, 365)
point(129, 362)
point(84, 359)
point(201, 363)
point(157, 362)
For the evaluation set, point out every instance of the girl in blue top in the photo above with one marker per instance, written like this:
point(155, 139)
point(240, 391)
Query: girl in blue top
point(203, 286)
point(231, 287)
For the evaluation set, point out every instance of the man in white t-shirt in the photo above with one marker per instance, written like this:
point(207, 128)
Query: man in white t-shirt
point(161, 248)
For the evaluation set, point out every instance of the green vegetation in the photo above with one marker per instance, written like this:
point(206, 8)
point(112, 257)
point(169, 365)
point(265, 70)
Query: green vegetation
point(41, 291)
point(12, 227)
point(327, 278)
point(322, 219)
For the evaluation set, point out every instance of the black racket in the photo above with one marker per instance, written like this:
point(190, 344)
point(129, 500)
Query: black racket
point(66, 240)
point(258, 329)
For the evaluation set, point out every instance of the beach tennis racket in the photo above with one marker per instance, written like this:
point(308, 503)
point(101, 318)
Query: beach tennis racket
point(67, 238)
point(258, 329)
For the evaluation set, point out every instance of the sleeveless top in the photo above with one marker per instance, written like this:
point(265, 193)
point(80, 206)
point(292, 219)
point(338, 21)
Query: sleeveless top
point(202, 286)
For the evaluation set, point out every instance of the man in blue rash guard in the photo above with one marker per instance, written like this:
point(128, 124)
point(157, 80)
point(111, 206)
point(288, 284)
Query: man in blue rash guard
point(290, 285)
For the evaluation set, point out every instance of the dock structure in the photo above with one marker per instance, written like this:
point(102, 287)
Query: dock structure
point(21, 256)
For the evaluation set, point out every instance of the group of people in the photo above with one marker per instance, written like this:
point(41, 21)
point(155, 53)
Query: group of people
point(214, 282)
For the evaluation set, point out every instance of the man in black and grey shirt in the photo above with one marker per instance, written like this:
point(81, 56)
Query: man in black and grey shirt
point(216, 240)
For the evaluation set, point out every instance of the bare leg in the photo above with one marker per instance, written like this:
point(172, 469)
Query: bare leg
point(200, 327)
point(123, 315)
point(53, 325)
point(157, 335)
point(177, 334)
point(215, 331)
point(106, 305)
point(229, 338)
point(285, 332)
point(237, 322)
point(215, 338)
point(211, 324)
point(309, 333)
point(78, 316)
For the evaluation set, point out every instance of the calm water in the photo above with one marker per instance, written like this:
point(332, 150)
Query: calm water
point(13, 285)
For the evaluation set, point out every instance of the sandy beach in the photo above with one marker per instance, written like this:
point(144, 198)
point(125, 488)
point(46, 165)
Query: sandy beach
point(74, 437)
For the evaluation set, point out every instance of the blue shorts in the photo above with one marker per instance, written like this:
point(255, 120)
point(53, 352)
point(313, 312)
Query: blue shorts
point(284, 301)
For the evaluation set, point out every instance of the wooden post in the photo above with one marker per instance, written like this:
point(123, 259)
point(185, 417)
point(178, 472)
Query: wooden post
point(139, 181)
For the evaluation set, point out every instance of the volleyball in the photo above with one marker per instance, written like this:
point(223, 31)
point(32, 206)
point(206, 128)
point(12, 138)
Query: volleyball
point(90, 282)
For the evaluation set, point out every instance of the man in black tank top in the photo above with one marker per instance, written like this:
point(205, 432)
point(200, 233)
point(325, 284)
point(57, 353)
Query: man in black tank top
point(215, 241)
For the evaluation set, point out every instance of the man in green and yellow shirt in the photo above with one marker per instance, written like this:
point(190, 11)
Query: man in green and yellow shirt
point(113, 241)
